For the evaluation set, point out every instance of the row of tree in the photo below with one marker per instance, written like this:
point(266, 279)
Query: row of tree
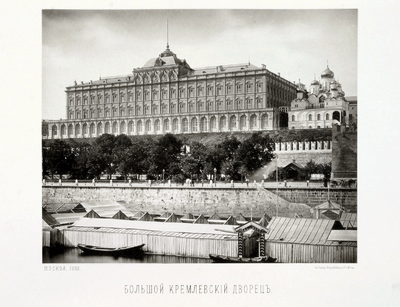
point(166, 157)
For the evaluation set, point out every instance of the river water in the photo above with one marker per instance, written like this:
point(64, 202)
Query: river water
point(74, 255)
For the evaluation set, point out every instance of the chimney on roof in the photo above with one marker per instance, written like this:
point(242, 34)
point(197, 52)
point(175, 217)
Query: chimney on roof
point(263, 66)
point(279, 74)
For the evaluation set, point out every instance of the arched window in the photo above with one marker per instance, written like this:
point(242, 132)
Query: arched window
point(222, 123)
point(166, 125)
point(130, 127)
point(63, 130)
point(264, 121)
point(148, 126)
point(139, 127)
point(185, 126)
point(243, 122)
point(213, 123)
point(115, 128)
point(232, 122)
point(157, 127)
point(122, 128)
point(203, 124)
point(327, 116)
point(194, 124)
point(319, 117)
point(99, 128)
point(336, 116)
point(175, 125)
point(77, 129)
point(309, 117)
point(107, 128)
point(70, 130)
point(253, 121)
point(92, 128)
point(293, 118)
point(54, 130)
point(84, 129)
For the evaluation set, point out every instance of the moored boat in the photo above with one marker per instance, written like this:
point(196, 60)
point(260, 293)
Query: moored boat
point(128, 251)
point(227, 259)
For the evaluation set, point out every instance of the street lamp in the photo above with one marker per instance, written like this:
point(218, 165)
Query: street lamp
point(215, 176)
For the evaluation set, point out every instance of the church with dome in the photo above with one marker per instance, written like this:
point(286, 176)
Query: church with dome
point(167, 95)
point(323, 106)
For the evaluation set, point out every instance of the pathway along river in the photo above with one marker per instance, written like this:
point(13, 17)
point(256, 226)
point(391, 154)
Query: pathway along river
point(74, 255)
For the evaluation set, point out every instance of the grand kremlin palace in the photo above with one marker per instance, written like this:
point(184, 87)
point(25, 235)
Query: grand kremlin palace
point(167, 96)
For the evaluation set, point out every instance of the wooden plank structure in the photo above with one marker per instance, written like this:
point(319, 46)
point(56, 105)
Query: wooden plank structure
point(251, 239)
point(301, 240)
point(240, 219)
point(188, 218)
point(112, 210)
point(215, 219)
point(48, 220)
point(68, 218)
point(55, 208)
point(145, 217)
point(328, 210)
point(349, 220)
point(181, 239)
point(201, 219)
point(137, 215)
point(230, 221)
point(264, 221)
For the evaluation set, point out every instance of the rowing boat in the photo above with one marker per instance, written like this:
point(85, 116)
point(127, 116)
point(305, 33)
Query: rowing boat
point(128, 251)
point(227, 259)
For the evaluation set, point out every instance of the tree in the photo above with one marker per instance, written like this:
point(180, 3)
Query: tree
point(311, 168)
point(163, 153)
point(45, 160)
point(59, 158)
point(80, 167)
point(120, 154)
point(136, 161)
point(326, 170)
point(254, 153)
point(101, 156)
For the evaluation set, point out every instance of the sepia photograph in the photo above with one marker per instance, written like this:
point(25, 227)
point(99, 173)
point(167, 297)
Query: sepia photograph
point(199, 154)
point(188, 136)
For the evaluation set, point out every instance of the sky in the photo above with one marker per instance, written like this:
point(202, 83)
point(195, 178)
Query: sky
point(83, 45)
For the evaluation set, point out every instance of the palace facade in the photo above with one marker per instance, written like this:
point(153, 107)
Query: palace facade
point(167, 96)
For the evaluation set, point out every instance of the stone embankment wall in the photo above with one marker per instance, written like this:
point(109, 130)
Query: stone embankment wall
point(223, 201)
point(316, 196)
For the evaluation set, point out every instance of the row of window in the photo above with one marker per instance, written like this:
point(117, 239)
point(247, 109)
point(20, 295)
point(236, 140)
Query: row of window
point(183, 93)
point(204, 125)
point(310, 127)
point(336, 116)
point(182, 108)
